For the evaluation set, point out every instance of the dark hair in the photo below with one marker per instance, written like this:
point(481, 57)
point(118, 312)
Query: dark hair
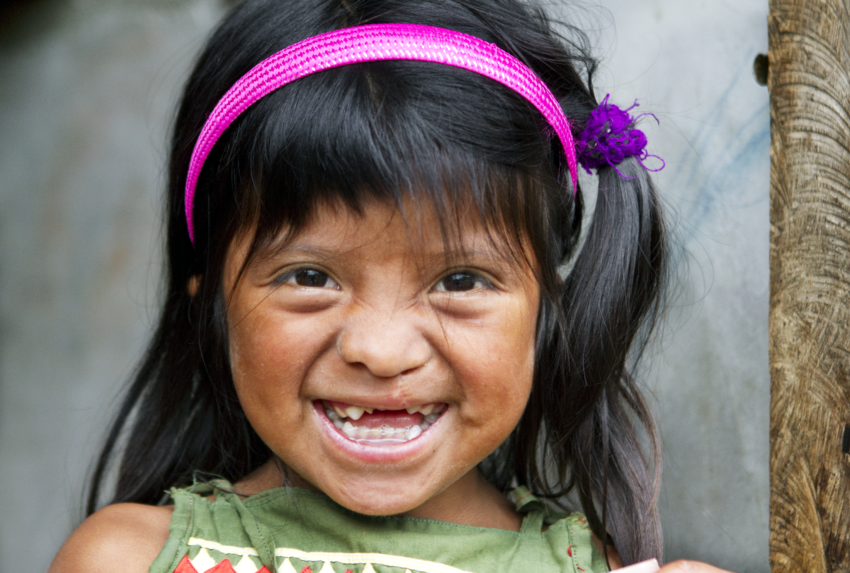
point(390, 131)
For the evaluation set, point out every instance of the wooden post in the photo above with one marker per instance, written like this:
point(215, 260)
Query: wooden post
point(809, 81)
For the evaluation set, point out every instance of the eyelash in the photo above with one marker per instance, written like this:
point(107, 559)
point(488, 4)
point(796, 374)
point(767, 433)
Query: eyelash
point(478, 281)
point(316, 273)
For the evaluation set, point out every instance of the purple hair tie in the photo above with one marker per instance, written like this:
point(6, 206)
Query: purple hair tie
point(609, 137)
point(368, 43)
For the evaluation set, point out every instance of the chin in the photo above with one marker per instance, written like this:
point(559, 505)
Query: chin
point(372, 498)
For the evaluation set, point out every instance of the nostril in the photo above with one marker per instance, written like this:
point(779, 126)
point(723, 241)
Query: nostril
point(385, 350)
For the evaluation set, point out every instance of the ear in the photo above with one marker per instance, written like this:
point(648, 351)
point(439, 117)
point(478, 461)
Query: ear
point(193, 285)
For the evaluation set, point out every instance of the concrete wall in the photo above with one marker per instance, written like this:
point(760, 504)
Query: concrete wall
point(86, 94)
point(691, 64)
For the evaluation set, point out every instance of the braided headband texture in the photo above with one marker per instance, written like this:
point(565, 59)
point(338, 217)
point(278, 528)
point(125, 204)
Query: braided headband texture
point(374, 42)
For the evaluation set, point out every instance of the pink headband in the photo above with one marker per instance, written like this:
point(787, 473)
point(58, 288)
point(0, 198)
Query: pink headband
point(369, 43)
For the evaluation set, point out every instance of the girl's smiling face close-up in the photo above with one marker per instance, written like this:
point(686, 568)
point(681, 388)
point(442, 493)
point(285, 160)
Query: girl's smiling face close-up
point(381, 362)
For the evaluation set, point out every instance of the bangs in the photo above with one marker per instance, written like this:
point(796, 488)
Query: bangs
point(409, 134)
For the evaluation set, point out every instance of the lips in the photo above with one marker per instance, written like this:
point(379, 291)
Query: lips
point(374, 426)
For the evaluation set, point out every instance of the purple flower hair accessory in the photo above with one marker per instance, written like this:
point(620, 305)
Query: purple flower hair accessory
point(609, 137)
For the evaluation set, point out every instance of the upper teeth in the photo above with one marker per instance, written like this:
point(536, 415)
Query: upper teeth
point(356, 412)
point(424, 410)
point(353, 412)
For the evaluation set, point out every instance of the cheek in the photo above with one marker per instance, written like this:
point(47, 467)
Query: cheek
point(514, 344)
point(497, 368)
point(264, 365)
point(274, 355)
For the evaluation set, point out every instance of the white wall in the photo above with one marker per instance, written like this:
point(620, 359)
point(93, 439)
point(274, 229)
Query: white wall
point(85, 98)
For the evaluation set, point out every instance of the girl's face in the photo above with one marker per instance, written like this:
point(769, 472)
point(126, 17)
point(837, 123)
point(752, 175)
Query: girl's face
point(378, 366)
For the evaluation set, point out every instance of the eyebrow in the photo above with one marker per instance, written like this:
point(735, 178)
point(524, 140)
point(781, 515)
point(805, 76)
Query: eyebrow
point(451, 254)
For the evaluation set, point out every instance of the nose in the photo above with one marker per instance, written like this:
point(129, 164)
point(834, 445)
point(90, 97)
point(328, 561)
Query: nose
point(387, 344)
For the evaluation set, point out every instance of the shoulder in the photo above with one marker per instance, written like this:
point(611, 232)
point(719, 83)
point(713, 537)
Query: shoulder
point(124, 536)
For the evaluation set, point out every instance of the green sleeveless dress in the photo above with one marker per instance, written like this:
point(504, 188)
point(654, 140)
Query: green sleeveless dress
point(290, 530)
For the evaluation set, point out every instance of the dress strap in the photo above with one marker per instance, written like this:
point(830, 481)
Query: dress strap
point(260, 535)
point(533, 509)
point(526, 501)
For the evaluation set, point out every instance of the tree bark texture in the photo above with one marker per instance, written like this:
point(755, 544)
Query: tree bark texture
point(809, 81)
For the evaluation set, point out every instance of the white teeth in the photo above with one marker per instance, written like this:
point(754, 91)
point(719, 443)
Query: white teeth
point(426, 409)
point(392, 435)
point(413, 432)
point(355, 412)
point(383, 434)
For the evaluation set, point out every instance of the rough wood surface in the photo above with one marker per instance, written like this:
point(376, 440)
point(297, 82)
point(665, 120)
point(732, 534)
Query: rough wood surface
point(809, 81)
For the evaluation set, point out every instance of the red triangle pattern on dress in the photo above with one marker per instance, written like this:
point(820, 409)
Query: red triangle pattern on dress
point(222, 567)
point(185, 566)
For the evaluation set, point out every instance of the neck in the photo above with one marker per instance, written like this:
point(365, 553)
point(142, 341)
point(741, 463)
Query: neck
point(471, 500)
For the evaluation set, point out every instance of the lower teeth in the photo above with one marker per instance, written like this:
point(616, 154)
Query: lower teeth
point(384, 434)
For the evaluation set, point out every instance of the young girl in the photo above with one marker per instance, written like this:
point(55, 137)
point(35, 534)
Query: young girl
point(382, 342)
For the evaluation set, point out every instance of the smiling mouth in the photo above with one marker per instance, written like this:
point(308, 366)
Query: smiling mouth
point(382, 427)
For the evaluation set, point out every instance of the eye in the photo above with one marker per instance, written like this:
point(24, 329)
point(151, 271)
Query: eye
point(463, 281)
point(307, 278)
